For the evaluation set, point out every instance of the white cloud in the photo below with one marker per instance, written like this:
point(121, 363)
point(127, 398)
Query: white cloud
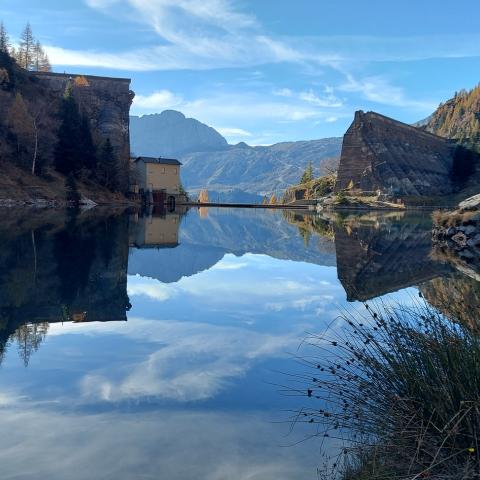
point(167, 444)
point(377, 89)
point(159, 100)
point(193, 361)
point(233, 132)
point(154, 290)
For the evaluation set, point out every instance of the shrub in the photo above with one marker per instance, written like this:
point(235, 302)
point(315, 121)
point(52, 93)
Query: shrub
point(400, 386)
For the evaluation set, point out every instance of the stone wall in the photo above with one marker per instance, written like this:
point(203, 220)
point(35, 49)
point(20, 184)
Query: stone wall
point(380, 153)
point(104, 100)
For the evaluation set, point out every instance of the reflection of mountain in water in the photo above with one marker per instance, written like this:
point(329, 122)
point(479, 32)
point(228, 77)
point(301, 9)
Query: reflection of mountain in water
point(205, 239)
point(385, 256)
point(56, 268)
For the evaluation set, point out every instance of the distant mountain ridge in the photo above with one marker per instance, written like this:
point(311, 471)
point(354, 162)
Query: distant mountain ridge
point(229, 170)
point(170, 133)
point(260, 170)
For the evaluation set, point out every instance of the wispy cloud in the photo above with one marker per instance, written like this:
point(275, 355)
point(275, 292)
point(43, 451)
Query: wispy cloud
point(159, 100)
point(233, 132)
point(377, 89)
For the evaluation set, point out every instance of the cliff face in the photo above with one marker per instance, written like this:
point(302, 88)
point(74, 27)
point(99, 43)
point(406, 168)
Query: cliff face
point(379, 153)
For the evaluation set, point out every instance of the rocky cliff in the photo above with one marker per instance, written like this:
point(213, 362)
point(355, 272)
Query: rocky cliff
point(380, 153)
point(170, 133)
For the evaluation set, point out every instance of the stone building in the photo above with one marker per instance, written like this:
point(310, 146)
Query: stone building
point(380, 154)
point(157, 175)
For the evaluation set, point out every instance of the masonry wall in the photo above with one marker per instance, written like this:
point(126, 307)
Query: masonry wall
point(379, 153)
point(105, 101)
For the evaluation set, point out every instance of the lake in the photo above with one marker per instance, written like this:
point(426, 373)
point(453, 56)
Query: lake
point(164, 345)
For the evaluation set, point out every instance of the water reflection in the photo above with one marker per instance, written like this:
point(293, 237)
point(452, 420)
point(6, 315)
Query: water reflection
point(216, 302)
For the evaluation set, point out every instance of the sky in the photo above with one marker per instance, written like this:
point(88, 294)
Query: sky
point(266, 71)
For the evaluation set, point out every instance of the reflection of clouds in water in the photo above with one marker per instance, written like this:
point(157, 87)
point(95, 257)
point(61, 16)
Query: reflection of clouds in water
point(160, 445)
point(267, 283)
point(148, 288)
point(193, 361)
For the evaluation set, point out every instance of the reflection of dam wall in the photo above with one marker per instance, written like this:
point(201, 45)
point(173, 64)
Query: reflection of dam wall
point(374, 261)
point(55, 273)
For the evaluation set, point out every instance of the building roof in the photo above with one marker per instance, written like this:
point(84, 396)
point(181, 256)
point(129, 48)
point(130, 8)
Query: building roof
point(160, 160)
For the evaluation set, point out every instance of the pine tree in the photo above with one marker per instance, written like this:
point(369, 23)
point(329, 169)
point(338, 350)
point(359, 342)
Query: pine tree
point(27, 47)
point(4, 39)
point(307, 174)
point(71, 191)
point(68, 155)
point(86, 146)
point(108, 166)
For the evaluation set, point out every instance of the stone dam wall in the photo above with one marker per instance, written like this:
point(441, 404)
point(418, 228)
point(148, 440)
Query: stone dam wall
point(380, 153)
point(104, 100)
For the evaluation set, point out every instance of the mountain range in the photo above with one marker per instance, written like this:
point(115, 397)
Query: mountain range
point(228, 171)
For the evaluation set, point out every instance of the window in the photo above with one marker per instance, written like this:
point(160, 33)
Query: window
point(163, 169)
point(175, 171)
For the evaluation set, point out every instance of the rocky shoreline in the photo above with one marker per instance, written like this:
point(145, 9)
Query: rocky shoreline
point(456, 236)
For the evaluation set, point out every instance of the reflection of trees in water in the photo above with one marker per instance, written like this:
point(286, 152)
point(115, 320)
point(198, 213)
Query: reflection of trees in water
point(74, 249)
point(28, 338)
point(399, 387)
point(60, 271)
point(309, 224)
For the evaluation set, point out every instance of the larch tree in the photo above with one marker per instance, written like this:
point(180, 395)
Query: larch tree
point(41, 63)
point(203, 196)
point(27, 48)
point(4, 39)
point(22, 125)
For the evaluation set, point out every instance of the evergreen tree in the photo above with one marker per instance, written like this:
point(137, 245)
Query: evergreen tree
point(71, 191)
point(108, 166)
point(68, 154)
point(4, 39)
point(41, 62)
point(27, 47)
point(86, 146)
point(307, 174)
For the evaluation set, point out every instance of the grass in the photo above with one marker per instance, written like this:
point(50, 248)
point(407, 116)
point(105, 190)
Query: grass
point(400, 386)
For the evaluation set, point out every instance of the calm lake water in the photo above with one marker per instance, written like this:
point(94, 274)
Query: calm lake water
point(156, 347)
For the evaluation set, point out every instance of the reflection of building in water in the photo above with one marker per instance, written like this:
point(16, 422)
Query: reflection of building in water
point(155, 230)
point(393, 255)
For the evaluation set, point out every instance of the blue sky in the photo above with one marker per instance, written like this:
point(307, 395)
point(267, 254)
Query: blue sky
point(264, 71)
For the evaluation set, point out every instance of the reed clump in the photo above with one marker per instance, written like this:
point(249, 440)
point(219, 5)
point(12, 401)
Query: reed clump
point(400, 387)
